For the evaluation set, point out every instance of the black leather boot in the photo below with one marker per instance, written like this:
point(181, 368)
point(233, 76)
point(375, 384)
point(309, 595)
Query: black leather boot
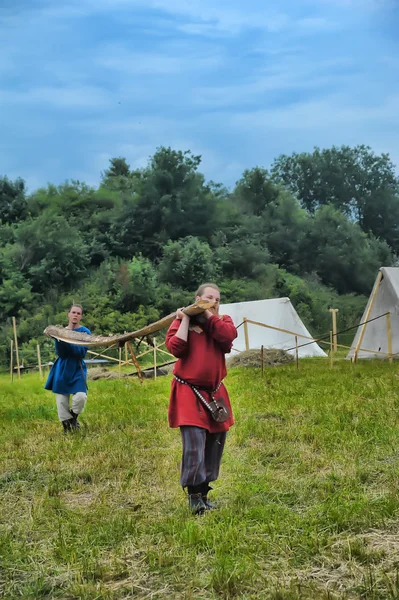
point(67, 425)
point(74, 424)
point(195, 501)
point(204, 492)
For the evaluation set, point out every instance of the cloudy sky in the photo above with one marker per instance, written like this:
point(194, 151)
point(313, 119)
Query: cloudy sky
point(237, 81)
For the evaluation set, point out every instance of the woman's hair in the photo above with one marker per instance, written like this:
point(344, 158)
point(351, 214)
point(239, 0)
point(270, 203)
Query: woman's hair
point(202, 287)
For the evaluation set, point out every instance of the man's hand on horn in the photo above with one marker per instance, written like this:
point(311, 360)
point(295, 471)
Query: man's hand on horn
point(180, 314)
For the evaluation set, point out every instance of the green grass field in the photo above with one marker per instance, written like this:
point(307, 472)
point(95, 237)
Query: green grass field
point(308, 492)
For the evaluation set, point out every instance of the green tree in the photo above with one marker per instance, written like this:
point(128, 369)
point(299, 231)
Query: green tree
point(285, 224)
point(15, 291)
point(188, 262)
point(255, 191)
point(356, 181)
point(13, 203)
point(171, 202)
point(340, 253)
point(87, 210)
point(135, 284)
point(49, 252)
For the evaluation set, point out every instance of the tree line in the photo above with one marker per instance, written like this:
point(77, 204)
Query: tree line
point(315, 227)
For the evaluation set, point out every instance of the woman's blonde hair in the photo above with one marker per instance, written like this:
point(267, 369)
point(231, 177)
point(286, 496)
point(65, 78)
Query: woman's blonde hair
point(202, 287)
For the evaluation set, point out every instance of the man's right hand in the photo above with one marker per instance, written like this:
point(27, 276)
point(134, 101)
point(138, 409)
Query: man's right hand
point(180, 314)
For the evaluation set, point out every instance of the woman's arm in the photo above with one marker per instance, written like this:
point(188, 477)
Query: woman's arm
point(177, 336)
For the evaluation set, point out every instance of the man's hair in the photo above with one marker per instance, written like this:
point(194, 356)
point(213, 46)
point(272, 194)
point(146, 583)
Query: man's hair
point(202, 287)
point(77, 306)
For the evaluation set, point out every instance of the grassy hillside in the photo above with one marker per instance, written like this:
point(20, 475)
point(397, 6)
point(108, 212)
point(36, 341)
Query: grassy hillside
point(308, 493)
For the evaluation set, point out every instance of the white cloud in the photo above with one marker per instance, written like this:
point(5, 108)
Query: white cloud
point(333, 113)
point(287, 73)
point(58, 97)
point(150, 63)
point(229, 16)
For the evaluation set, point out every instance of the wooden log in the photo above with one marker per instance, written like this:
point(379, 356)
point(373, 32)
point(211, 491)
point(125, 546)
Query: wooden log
point(135, 361)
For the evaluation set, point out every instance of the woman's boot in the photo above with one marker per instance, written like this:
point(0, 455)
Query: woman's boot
point(195, 500)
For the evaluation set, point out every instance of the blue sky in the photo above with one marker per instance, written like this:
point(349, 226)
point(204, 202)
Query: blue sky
point(237, 81)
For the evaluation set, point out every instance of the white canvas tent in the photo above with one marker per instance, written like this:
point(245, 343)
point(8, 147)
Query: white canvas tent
point(277, 313)
point(372, 339)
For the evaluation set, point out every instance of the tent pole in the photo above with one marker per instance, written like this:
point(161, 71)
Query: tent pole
point(367, 315)
point(389, 337)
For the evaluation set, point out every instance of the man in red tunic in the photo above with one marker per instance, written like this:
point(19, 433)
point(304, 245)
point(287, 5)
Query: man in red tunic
point(200, 344)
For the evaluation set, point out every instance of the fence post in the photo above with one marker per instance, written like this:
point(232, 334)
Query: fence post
point(39, 361)
point(331, 349)
point(14, 325)
point(12, 361)
point(262, 359)
point(333, 312)
point(155, 357)
point(246, 334)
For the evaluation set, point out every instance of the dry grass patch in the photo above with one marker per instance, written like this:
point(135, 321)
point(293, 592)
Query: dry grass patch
point(252, 358)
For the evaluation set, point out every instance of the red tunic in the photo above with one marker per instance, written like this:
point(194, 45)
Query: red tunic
point(202, 363)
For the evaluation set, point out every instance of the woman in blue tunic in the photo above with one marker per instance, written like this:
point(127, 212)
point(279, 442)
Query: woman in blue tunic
point(68, 375)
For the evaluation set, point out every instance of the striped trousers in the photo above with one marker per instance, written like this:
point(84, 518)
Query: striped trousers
point(202, 454)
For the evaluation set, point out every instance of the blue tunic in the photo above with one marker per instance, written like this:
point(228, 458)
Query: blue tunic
point(68, 373)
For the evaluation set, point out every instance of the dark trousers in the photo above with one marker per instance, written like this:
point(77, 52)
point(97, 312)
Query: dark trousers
point(202, 454)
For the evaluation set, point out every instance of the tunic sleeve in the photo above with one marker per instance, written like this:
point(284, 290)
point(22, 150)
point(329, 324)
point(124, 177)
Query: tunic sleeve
point(175, 345)
point(223, 330)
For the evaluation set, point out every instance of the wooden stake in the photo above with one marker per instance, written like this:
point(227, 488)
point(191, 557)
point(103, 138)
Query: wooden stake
point(39, 361)
point(262, 361)
point(367, 315)
point(389, 337)
point(14, 324)
point(12, 361)
point(155, 358)
point(246, 334)
point(333, 312)
point(120, 362)
point(296, 353)
point(331, 349)
point(126, 356)
point(135, 362)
